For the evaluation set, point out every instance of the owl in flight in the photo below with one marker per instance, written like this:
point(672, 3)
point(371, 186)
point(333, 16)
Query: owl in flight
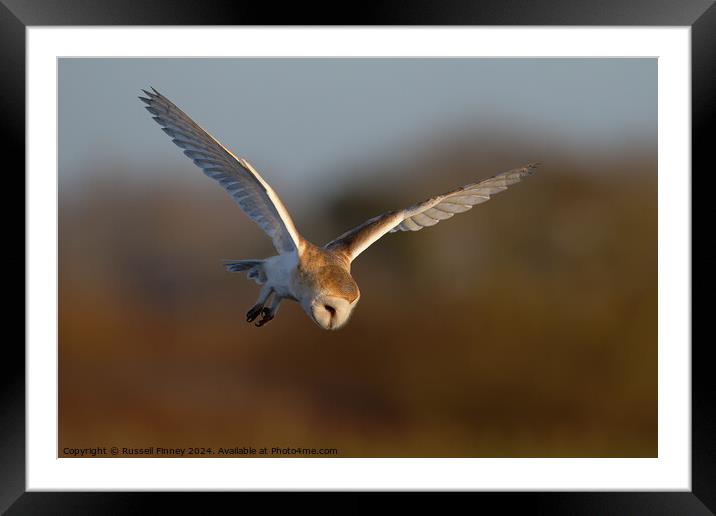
point(317, 277)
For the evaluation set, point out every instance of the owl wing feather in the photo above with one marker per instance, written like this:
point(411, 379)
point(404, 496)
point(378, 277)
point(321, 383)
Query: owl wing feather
point(237, 176)
point(426, 213)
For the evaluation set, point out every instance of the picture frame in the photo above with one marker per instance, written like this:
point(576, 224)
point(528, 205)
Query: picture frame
point(16, 16)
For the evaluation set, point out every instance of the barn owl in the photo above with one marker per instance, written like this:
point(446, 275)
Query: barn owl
point(317, 277)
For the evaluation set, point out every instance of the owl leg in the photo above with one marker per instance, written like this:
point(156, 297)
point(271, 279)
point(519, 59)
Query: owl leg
point(269, 313)
point(255, 310)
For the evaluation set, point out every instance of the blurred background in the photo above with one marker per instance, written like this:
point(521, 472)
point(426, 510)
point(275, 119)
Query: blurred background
point(526, 327)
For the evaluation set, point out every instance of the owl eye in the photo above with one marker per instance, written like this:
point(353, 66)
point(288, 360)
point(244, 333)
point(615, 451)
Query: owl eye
point(330, 309)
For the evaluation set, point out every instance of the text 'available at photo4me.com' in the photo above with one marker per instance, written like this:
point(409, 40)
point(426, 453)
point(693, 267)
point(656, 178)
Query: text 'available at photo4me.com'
point(194, 451)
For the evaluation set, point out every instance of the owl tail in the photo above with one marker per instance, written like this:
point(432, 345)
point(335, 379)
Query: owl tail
point(254, 269)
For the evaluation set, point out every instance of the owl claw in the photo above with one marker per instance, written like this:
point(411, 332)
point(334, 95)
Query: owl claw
point(266, 316)
point(253, 313)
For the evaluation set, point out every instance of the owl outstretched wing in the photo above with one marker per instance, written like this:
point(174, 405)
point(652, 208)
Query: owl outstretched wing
point(426, 213)
point(236, 175)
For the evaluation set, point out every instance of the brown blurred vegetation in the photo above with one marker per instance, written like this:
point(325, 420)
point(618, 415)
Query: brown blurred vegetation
point(526, 327)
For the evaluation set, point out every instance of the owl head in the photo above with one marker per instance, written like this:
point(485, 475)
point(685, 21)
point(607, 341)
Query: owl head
point(336, 297)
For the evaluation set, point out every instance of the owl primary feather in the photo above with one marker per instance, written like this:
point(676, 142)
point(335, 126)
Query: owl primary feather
point(317, 277)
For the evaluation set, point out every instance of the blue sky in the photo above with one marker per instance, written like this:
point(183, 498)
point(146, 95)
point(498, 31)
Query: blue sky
point(300, 120)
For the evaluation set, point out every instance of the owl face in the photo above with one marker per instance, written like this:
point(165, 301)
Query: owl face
point(331, 312)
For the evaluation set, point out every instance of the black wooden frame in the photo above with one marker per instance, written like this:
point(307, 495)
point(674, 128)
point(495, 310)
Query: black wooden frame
point(700, 15)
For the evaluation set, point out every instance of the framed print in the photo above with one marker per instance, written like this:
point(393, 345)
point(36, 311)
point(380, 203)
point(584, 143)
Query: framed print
point(537, 344)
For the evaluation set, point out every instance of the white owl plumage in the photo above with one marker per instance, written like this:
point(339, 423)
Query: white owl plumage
point(318, 278)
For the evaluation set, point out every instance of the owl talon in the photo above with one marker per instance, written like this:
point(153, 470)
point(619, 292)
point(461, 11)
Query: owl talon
point(266, 316)
point(254, 312)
